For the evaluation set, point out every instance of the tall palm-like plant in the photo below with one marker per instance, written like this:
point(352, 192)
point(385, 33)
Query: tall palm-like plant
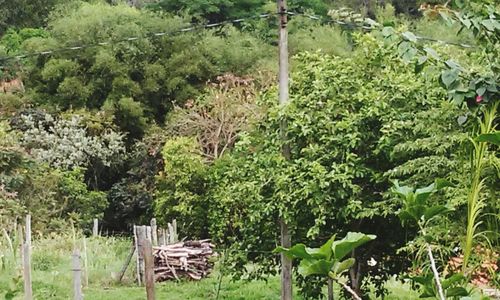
point(475, 200)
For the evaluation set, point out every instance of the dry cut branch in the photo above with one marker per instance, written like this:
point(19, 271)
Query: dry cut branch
point(190, 259)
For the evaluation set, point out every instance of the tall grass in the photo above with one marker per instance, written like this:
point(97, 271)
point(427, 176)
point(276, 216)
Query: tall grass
point(51, 263)
point(52, 274)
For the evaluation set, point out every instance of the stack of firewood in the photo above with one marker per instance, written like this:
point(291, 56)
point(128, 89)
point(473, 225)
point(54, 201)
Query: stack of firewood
point(189, 259)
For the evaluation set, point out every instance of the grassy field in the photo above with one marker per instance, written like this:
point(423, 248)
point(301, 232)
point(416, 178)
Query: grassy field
point(52, 275)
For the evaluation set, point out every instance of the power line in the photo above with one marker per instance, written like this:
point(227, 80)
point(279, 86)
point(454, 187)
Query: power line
point(366, 27)
point(192, 27)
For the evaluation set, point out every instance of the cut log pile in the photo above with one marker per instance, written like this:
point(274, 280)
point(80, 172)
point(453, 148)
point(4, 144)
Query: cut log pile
point(190, 259)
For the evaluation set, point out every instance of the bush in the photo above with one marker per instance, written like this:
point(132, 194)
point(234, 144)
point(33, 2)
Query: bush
point(182, 187)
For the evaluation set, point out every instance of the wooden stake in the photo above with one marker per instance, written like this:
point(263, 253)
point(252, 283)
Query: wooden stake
point(85, 262)
point(154, 232)
point(28, 290)
point(170, 234)
point(174, 225)
point(95, 229)
point(138, 262)
point(165, 237)
point(141, 238)
point(77, 276)
point(286, 263)
point(149, 273)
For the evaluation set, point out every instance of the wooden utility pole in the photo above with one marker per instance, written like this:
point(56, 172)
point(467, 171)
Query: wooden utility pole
point(286, 263)
point(28, 290)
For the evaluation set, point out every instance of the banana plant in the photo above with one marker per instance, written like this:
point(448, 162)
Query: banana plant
point(417, 209)
point(329, 259)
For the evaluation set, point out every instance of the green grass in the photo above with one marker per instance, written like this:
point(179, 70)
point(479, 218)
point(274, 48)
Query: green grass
point(52, 275)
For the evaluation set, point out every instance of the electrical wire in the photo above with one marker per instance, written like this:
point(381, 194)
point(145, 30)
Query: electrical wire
point(370, 28)
point(192, 27)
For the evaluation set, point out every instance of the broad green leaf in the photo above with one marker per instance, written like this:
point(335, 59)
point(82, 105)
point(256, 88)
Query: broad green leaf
point(326, 249)
point(454, 65)
point(407, 216)
point(423, 280)
point(433, 211)
point(467, 23)
point(489, 24)
point(461, 120)
point(455, 278)
point(448, 77)
point(340, 267)
point(410, 36)
point(422, 59)
point(480, 91)
point(416, 211)
point(456, 291)
point(427, 294)
point(493, 138)
point(404, 191)
point(458, 98)
point(387, 31)
point(315, 267)
point(442, 183)
point(422, 194)
point(297, 251)
point(459, 3)
point(350, 242)
point(431, 52)
point(409, 55)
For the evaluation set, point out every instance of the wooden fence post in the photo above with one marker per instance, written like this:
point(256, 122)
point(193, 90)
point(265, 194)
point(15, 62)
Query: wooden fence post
point(149, 273)
point(174, 225)
point(138, 257)
point(141, 238)
point(154, 232)
point(165, 237)
point(28, 290)
point(95, 229)
point(85, 263)
point(77, 276)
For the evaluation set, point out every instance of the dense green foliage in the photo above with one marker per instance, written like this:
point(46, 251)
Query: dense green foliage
point(131, 113)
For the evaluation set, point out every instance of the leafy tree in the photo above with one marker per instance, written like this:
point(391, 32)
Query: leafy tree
point(67, 144)
point(24, 13)
point(343, 114)
point(182, 187)
point(131, 198)
point(52, 196)
point(137, 81)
